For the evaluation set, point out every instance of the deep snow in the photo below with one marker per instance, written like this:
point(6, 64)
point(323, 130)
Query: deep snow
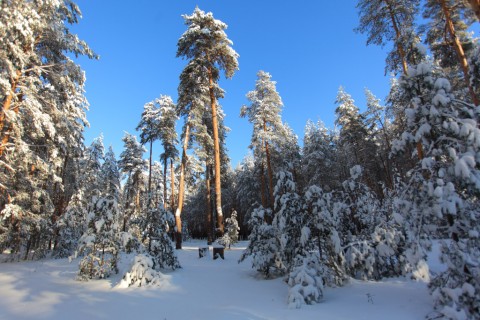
point(202, 289)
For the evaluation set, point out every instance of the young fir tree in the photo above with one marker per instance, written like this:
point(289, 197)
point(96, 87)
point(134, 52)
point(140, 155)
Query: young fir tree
point(206, 42)
point(231, 235)
point(100, 244)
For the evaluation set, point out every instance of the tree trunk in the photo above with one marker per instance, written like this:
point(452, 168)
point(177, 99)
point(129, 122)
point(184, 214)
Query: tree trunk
point(270, 176)
point(209, 205)
point(181, 189)
point(216, 147)
point(172, 186)
point(269, 169)
point(263, 191)
point(401, 50)
point(475, 4)
point(7, 105)
point(165, 183)
point(457, 45)
point(150, 174)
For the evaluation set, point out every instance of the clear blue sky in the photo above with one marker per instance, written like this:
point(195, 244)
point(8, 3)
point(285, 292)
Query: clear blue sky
point(309, 48)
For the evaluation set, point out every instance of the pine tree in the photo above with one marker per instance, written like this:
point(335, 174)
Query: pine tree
point(443, 189)
point(391, 21)
point(264, 113)
point(132, 164)
point(447, 35)
point(206, 41)
point(41, 137)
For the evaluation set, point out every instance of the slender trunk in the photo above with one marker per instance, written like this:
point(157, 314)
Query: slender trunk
point(401, 50)
point(475, 4)
point(270, 176)
point(150, 174)
point(181, 189)
point(209, 205)
point(216, 147)
point(457, 45)
point(172, 186)
point(6, 106)
point(165, 183)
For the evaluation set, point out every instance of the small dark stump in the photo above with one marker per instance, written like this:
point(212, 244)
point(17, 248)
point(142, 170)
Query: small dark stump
point(218, 252)
point(202, 252)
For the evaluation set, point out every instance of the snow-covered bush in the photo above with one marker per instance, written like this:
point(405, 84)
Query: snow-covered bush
point(444, 187)
point(143, 273)
point(305, 282)
point(263, 246)
point(100, 244)
point(323, 211)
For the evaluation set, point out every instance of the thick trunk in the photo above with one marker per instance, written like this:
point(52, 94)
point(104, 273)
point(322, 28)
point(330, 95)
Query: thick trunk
point(457, 45)
point(263, 189)
point(172, 186)
point(475, 4)
point(269, 169)
point(401, 50)
point(209, 205)
point(216, 147)
point(181, 189)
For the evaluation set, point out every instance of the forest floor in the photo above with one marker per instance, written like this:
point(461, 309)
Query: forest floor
point(202, 289)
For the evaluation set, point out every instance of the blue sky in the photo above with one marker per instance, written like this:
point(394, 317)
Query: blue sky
point(309, 48)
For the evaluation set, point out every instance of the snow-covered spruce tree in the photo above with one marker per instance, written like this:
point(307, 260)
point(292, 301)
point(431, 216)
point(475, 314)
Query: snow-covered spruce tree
point(159, 245)
point(444, 188)
point(110, 175)
point(41, 136)
point(71, 227)
point(323, 213)
point(318, 157)
point(288, 220)
point(231, 235)
point(206, 41)
point(263, 244)
point(357, 222)
point(100, 244)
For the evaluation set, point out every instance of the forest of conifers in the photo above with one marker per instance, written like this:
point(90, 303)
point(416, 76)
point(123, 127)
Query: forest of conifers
point(364, 200)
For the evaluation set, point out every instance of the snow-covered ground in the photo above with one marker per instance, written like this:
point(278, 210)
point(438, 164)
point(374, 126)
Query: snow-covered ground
point(202, 289)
